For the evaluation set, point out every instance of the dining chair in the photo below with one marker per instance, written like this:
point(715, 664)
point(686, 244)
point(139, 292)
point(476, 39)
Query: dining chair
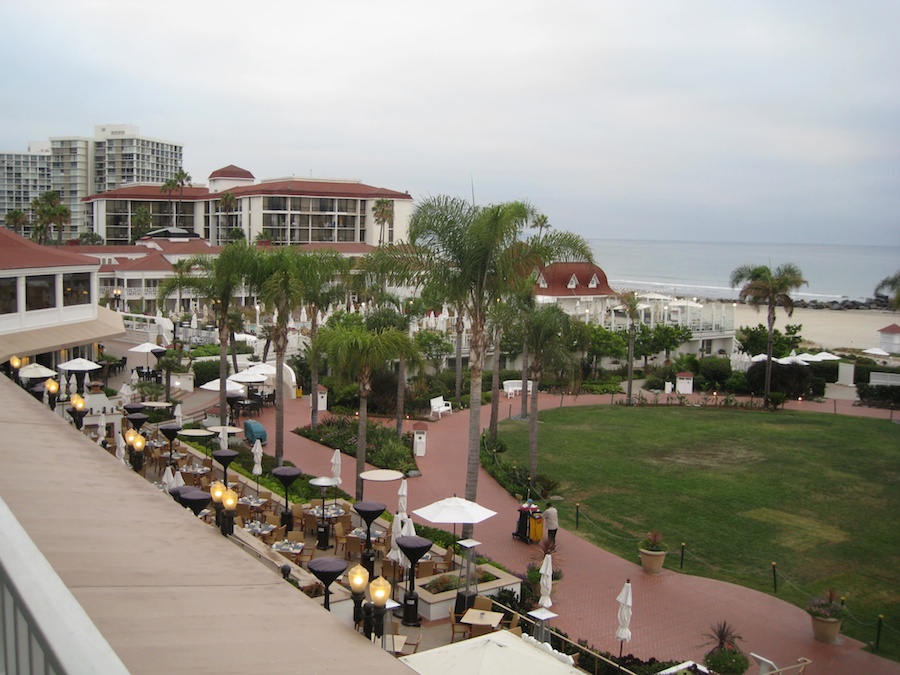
point(310, 523)
point(272, 519)
point(352, 547)
point(346, 521)
point(340, 538)
point(275, 535)
point(425, 568)
point(411, 647)
point(445, 564)
point(477, 630)
point(483, 603)
point(243, 510)
point(294, 535)
point(456, 628)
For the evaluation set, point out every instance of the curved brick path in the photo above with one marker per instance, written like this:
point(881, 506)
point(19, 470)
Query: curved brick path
point(672, 611)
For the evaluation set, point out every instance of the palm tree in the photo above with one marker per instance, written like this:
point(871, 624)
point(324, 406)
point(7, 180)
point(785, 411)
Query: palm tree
point(468, 255)
point(356, 351)
point(181, 270)
point(16, 220)
point(141, 223)
point(549, 334)
point(763, 287)
point(281, 291)
point(227, 203)
point(320, 274)
point(890, 285)
point(169, 186)
point(49, 211)
point(384, 215)
point(182, 179)
point(219, 278)
point(630, 304)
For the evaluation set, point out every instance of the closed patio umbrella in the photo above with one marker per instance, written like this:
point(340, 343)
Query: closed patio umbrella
point(257, 462)
point(546, 582)
point(623, 632)
point(336, 466)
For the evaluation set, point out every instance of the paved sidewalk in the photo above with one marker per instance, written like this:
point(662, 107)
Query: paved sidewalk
point(672, 611)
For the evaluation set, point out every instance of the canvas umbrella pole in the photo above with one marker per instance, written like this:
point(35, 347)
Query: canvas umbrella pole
point(623, 632)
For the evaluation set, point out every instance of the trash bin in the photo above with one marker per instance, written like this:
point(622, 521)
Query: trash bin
point(530, 525)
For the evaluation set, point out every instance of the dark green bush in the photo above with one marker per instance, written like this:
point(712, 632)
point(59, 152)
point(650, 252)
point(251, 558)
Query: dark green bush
point(206, 371)
point(737, 383)
point(877, 395)
point(383, 448)
point(715, 370)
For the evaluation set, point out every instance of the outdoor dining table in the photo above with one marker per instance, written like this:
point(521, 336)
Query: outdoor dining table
point(287, 546)
point(361, 533)
point(196, 469)
point(480, 617)
point(332, 511)
point(258, 528)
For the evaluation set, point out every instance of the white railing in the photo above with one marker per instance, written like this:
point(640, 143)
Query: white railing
point(43, 629)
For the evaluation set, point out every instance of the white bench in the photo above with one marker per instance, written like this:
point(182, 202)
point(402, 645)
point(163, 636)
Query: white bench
point(439, 406)
point(512, 387)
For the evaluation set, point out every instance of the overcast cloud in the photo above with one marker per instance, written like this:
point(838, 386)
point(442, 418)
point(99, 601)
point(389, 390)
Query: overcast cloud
point(718, 120)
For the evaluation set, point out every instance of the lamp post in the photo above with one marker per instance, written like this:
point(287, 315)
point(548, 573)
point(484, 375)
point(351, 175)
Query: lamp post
point(217, 491)
point(52, 387)
point(359, 579)
point(257, 308)
point(138, 443)
point(77, 412)
point(286, 476)
point(225, 457)
point(379, 591)
point(229, 506)
point(327, 570)
point(196, 500)
point(117, 294)
point(369, 511)
point(15, 363)
point(413, 548)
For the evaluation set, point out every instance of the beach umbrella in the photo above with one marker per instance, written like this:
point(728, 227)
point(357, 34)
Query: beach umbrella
point(623, 632)
point(546, 582)
point(257, 462)
point(36, 370)
point(336, 465)
point(875, 351)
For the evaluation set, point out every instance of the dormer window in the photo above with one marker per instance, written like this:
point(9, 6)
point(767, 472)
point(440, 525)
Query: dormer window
point(573, 282)
point(594, 282)
point(542, 282)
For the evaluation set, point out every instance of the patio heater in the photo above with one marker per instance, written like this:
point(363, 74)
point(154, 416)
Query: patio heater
point(225, 457)
point(413, 548)
point(170, 431)
point(323, 533)
point(287, 475)
point(369, 511)
point(327, 570)
point(465, 596)
point(137, 420)
point(196, 500)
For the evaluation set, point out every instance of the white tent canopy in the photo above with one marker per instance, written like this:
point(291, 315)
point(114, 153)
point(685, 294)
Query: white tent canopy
point(496, 652)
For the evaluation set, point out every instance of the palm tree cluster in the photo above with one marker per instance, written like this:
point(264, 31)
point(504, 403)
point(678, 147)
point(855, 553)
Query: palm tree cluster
point(49, 212)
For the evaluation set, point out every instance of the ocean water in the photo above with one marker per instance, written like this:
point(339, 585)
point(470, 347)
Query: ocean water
point(703, 269)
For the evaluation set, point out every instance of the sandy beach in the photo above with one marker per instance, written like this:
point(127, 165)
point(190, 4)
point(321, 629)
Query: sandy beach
point(825, 328)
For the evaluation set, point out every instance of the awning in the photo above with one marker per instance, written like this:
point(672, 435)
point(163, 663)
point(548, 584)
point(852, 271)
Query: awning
point(108, 324)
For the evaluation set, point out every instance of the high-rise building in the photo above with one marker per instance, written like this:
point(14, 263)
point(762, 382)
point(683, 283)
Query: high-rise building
point(76, 167)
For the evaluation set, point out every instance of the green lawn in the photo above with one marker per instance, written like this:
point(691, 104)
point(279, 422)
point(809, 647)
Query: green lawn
point(817, 494)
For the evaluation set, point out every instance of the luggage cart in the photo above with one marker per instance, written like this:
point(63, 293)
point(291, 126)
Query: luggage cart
point(530, 524)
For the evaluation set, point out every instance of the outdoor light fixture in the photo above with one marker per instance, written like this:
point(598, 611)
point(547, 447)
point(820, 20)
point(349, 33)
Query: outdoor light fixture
point(138, 443)
point(52, 387)
point(15, 363)
point(369, 511)
point(77, 411)
point(229, 505)
point(379, 591)
point(359, 579)
point(327, 570)
point(217, 491)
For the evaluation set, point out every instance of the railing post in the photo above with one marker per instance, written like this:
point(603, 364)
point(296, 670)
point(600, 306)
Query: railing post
point(775, 578)
point(577, 513)
point(878, 633)
point(681, 565)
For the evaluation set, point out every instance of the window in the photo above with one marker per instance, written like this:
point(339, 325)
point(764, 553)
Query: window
point(573, 282)
point(76, 289)
point(40, 292)
point(9, 301)
point(594, 282)
point(542, 282)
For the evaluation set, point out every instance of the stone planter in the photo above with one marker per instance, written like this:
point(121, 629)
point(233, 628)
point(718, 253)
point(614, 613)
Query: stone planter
point(435, 606)
point(652, 561)
point(826, 630)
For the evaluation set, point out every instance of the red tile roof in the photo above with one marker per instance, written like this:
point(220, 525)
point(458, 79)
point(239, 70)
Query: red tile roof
point(231, 171)
point(315, 188)
point(890, 330)
point(153, 262)
point(342, 247)
point(17, 252)
point(190, 247)
point(150, 193)
point(558, 275)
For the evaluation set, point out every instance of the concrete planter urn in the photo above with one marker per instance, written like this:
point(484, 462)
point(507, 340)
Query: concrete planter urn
point(652, 561)
point(826, 630)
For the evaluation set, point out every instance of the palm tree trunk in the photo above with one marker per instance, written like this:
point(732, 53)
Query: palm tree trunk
point(313, 374)
point(233, 344)
point(630, 361)
point(476, 367)
point(770, 347)
point(495, 389)
point(460, 326)
point(401, 395)
point(223, 370)
point(361, 440)
point(524, 412)
point(533, 431)
point(280, 349)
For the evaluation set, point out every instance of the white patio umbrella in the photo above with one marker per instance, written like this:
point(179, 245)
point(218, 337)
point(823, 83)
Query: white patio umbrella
point(177, 414)
point(304, 318)
point(145, 348)
point(168, 478)
point(194, 321)
point(336, 465)
point(33, 370)
point(257, 452)
point(454, 510)
point(73, 383)
point(101, 426)
point(546, 582)
point(759, 357)
point(806, 356)
point(78, 365)
point(875, 351)
point(402, 494)
point(230, 386)
point(120, 448)
point(828, 356)
point(248, 377)
point(623, 632)
point(408, 529)
point(223, 439)
point(263, 368)
point(178, 481)
point(134, 377)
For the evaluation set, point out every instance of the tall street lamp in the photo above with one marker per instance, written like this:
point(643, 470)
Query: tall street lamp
point(52, 387)
point(77, 412)
point(229, 506)
point(359, 579)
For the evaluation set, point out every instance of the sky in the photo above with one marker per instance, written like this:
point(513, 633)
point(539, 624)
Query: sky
point(717, 120)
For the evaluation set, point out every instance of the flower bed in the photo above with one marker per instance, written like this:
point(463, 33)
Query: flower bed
point(436, 606)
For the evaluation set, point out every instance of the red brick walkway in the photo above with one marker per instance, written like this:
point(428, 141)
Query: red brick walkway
point(671, 611)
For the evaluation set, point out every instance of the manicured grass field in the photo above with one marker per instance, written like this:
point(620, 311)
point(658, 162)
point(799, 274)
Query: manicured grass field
point(817, 494)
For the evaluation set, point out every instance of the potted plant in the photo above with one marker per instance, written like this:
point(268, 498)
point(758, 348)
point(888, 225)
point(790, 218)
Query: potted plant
point(652, 552)
point(827, 614)
point(725, 657)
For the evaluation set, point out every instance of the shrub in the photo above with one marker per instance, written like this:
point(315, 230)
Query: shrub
point(206, 371)
point(737, 383)
point(878, 395)
point(383, 448)
point(727, 661)
point(715, 370)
